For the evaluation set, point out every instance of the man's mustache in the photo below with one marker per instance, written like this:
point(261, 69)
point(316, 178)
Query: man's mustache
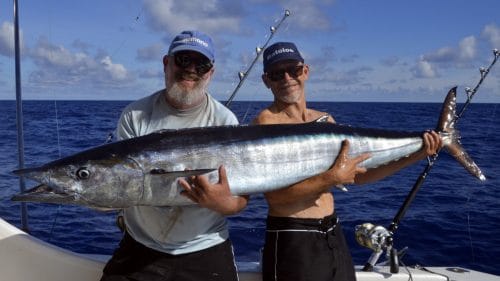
point(186, 75)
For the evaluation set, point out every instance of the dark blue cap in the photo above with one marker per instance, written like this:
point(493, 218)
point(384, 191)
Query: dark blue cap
point(281, 51)
point(191, 40)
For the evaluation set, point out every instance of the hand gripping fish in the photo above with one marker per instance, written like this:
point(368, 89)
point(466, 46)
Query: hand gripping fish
point(258, 158)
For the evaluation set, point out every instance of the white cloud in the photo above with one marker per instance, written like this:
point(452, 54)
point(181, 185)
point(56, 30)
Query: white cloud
point(465, 51)
point(424, 69)
point(210, 16)
point(492, 33)
point(56, 65)
point(427, 65)
point(46, 54)
point(7, 39)
point(467, 48)
point(116, 71)
point(307, 16)
point(442, 55)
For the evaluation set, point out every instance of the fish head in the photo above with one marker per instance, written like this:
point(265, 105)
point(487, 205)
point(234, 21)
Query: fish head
point(104, 182)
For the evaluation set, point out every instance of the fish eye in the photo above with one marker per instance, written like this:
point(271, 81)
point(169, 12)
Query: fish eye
point(83, 173)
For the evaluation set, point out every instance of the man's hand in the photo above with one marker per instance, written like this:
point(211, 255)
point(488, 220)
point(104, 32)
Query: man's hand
point(345, 169)
point(432, 143)
point(216, 196)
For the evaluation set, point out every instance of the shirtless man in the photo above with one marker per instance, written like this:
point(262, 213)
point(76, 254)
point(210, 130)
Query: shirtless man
point(304, 240)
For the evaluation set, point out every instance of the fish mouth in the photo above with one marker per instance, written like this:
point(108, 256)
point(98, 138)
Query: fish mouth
point(44, 194)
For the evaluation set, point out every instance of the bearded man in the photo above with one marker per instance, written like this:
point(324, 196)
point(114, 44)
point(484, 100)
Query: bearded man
point(182, 242)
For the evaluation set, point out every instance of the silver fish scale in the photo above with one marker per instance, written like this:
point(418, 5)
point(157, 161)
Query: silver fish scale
point(267, 164)
point(274, 163)
point(383, 150)
point(281, 162)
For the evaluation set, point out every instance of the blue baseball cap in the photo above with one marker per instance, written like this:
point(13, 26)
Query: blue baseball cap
point(191, 40)
point(281, 51)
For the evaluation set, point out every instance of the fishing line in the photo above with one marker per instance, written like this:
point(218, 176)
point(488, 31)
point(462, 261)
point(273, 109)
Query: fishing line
point(135, 22)
point(57, 129)
point(130, 27)
point(246, 113)
point(56, 117)
point(54, 222)
point(470, 234)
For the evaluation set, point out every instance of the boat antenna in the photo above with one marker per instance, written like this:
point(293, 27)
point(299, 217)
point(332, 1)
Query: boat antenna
point(243, 75)
point(379, 238)
point(19, 116)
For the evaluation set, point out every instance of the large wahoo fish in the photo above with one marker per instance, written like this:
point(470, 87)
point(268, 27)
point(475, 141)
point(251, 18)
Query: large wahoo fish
point(145, 170)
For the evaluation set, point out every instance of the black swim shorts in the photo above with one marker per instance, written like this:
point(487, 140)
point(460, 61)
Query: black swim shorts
point(306, 249)
point(134, 261)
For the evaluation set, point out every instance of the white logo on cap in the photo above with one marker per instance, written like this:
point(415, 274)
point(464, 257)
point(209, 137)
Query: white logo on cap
point(279, 51)
point(193, 39)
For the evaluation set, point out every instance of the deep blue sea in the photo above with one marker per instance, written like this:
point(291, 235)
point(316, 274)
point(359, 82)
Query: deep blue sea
point(454, 219)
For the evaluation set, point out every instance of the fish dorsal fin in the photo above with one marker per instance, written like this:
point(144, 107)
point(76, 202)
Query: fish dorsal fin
point(322, 119)
point(180, 174)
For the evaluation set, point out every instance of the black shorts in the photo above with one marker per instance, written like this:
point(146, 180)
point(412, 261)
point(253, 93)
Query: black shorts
point(306, 249)
point(134, 261)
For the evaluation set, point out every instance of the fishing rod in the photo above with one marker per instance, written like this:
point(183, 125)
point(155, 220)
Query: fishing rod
point(19, 115)
point(243, 75)
point(379, 238)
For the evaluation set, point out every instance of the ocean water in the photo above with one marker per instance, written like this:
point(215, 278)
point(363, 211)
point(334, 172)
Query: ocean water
point(453, 221)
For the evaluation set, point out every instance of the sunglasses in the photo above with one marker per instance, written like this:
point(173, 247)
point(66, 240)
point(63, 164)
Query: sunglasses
point(277, 75)
point(202, 65)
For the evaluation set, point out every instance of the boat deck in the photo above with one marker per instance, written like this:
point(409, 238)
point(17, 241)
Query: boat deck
point(24, 258)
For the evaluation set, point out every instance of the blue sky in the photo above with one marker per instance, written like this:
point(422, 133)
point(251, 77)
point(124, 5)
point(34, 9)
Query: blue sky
point(391, 50)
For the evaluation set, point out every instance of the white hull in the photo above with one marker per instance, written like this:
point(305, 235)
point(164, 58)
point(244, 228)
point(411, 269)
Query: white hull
point(24, 258)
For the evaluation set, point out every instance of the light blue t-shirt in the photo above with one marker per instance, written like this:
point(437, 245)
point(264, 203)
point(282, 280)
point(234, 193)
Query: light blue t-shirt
point(179, 229)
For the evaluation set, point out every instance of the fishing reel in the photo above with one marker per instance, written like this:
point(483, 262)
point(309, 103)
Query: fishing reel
point(377, 238)
point(371, 236)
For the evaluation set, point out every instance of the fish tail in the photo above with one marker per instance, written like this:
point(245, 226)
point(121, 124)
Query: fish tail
point(451, 136)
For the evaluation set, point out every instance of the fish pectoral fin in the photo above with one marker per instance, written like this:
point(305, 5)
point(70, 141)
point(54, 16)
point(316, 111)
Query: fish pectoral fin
point(341, 187)
point(321, 119)
point(104, 209)
point(180, 174)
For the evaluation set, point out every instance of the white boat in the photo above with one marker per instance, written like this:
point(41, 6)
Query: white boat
point(27, 258)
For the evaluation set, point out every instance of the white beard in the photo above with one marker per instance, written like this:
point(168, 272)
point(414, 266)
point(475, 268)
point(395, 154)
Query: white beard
point(185, 97)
